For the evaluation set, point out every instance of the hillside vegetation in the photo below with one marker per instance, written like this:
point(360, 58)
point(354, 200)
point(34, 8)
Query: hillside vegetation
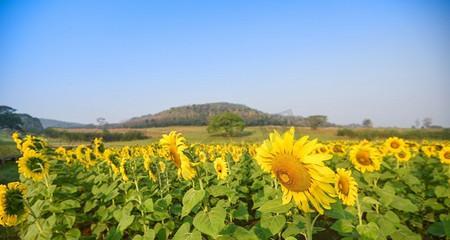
point(199, 114)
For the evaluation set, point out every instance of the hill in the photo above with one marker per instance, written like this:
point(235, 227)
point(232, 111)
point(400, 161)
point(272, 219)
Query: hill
point(51, 123)
point(198, 114)
point(29, 123)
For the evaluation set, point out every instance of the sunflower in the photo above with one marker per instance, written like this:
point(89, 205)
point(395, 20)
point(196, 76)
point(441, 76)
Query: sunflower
point(394, 144)
point(236, 153)
point(338, 149)
point(365, 157)
point(427, 150)
point(33, 165)
point(220, 165)
point(301, 172)
point(346, 187)
point(113, 160)
point(403, 155)
point(16, 137)
point(444, 155)
point(322, 148)
point(162, 166)
point(125, 168)
point(12, 204)
point(175, 145)
point(202, 156)
point(99, 147)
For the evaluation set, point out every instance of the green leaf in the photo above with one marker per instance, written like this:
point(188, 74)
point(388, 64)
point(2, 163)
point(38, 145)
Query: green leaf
point(69, 220)
point(149, 235)
point(219, 190)
point(73, 234)
point(275, 206)
point(190, 199)
point(90, 204)
point(387, 227)
point(343, 226)
point(241, 212)
point(113, 234)
point(404, 205)
point(244, 234)
point(274, 223)
point(404, 233)
point(125, 222)
point(369, 231)
point(291, 230)
point(440, 229)
point(67, 204)
point(392, 217)
point(148, 205)
point(441, 192)
point(338, 212)
point(387, 195)
point(433, 204)
point(210, 223)
point(370, 200)
point(184, 233)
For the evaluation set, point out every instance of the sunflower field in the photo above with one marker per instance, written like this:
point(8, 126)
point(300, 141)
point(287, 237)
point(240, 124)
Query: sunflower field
point(287, 187)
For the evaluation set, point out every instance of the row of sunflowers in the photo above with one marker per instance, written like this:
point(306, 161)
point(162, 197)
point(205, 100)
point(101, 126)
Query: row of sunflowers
point(284, 188)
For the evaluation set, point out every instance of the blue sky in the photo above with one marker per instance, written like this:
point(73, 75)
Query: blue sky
point(79, 60)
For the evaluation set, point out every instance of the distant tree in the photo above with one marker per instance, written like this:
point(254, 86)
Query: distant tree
point(427, 122)
point(101, 121)
point(367, 123)
point(228, 123)
point(9, 119)
point(417, 123)
point(316, 121)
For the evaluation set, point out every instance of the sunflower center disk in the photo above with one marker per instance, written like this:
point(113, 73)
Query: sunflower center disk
point(291, 173)
point(363, 157)
point(447, 155)
point(395, 145)
point(344, 186)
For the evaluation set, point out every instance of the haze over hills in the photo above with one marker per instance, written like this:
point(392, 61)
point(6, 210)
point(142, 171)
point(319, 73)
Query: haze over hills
point(198, 114)
point(51, 123)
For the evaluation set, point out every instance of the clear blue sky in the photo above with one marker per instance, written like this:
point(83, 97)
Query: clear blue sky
point(79, 60)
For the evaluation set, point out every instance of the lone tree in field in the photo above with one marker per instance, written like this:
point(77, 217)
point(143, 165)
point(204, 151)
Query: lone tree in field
point(9, 119)
point(316, 121)
point(227, 123)
point(427, 122)
point(367, 123)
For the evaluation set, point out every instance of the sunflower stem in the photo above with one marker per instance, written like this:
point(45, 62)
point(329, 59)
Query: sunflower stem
point(27, 204)
point(139, 200)
point(309, 226)
point(359, 211)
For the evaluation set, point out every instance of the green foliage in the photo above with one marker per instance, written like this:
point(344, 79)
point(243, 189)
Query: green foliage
point(442, 134)
point(316, 121)
point(75, 202)
point(226, 123)
point(89, 136)
point(9, 119)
